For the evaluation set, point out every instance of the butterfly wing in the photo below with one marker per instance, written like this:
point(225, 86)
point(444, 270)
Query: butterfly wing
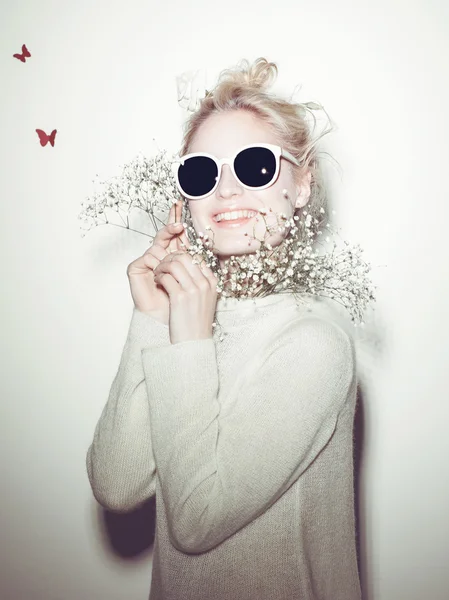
point(52, 137)
point(25, 54)
point(43, 137)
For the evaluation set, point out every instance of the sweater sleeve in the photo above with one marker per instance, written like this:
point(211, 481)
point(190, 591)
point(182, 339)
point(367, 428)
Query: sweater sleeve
point(120, 462)
point(218, 472)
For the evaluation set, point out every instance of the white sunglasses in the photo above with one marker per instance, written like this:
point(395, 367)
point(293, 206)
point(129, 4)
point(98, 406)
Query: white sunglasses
point(255, 166)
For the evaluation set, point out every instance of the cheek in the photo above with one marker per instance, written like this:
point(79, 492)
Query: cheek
point(198, 214)
point(193, 210)
point(199, 217)
point(275, 199)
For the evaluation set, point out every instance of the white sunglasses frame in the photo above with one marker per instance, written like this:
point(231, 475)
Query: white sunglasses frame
point(278, 152)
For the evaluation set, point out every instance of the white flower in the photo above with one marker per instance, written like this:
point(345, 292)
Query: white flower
point(292, 265)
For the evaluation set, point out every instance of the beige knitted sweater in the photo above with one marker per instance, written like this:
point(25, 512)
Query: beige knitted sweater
point(247, 444)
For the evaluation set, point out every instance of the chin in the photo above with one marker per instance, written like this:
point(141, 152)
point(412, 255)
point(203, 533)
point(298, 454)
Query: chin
point(235, 250)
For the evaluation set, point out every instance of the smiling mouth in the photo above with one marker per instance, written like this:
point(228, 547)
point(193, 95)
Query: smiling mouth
point(237, 216)
point(232, 223)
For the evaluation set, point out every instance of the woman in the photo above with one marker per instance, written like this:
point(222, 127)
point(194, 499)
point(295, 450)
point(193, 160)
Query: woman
point(246, 442)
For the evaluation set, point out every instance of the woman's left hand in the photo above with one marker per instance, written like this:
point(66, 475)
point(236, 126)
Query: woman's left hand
point(192, 291)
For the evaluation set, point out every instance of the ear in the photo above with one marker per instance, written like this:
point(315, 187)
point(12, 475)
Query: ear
point(303, 190)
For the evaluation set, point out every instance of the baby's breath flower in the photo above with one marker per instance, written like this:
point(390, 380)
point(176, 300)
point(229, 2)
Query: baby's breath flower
point(149, 185)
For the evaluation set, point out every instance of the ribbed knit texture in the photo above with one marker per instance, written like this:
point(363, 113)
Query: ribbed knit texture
point(247, 444)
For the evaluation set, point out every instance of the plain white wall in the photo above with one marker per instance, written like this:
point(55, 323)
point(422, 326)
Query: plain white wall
point(103, 74)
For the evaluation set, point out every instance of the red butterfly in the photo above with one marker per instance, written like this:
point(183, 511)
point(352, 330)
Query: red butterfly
point(44, 138)
point(25, 54)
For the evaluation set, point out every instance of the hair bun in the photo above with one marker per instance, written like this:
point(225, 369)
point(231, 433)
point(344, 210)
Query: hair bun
point(261, 74)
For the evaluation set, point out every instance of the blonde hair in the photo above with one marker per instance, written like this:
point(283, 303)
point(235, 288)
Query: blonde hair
point(246, 88)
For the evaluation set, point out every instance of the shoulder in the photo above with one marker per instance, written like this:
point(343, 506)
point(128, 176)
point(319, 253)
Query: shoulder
point(323, 318)
point(318, 339)
point(318, 322)
point(315, 355)
point(318, 331)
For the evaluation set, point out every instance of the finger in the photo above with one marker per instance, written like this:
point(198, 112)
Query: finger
point(173, 280)
point(168, 281)
point(142, 265)
point(172, 213)
point(213, 279)
point(202, 262)
point(187, 277)
point(153, 257)
point(198, 273)
point(177, 217)
point(157, 251)
point(182, 241)
point(166, 234)
point(209, 274)
point(175, 214)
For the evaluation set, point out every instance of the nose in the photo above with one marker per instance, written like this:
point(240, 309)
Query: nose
point(228, 184)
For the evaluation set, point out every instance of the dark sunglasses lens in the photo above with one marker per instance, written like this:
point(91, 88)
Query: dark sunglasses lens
point(198, 175)
point(255, 166)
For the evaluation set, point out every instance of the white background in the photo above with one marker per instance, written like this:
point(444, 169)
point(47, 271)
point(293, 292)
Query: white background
point(103, 74)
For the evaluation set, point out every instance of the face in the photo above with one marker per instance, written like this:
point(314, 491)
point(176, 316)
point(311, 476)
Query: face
point(222, 135)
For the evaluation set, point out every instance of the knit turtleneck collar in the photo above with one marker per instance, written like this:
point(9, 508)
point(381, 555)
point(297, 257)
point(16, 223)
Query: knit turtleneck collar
point(234, 314)
point(225, 304)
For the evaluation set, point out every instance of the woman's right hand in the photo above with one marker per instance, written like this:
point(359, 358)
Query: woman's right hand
point(148, 296)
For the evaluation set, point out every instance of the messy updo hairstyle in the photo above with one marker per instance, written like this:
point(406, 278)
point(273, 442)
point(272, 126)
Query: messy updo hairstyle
point(246, 87)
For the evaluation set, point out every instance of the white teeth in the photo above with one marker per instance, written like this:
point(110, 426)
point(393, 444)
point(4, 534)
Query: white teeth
point(235, 214)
